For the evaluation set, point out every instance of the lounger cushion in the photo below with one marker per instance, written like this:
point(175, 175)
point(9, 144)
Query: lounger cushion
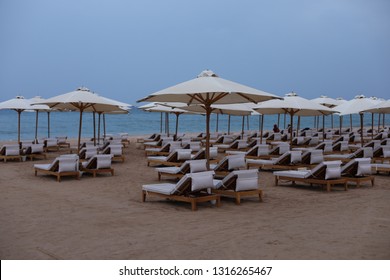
point(293, 173)
point(103, 161)
point(183, 154)
point(202, 180)
point(213, 152)
point(364, 166)
point(333, 169)
point(316, 156)
point(368, 152)
point(262, 150)
point(43, 166)
point(386, 151)
point(67, 164)
point(246, 180)
point(236, 161)
point(160, 188)
point(12, 150)
point(296, 156)
point(198, 166)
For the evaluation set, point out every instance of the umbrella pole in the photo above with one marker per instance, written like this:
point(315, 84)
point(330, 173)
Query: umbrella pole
point(261, 130)
point(247, 122)
point(216, 127)
point(379, 121)
point(48, 124)
point(361, 127)
point(36, 127)
point(291, 128)
point(383, 121)
point(278, 120)
point(341, 123)
point(314, 125)
point(229, 124)
point(104, 124)
point(372, 126)
point(161, 122)
point(207, 150)
point(19, 112)
point(80, 122)
point(323, 126)
point(259, 123)
point(350, 121)
point(284, 121)
point(94, 128)
point(177, 123)
point(299, 125)
point(242, 127)
point(332, 121)
point(99, 114)
point(167, 123)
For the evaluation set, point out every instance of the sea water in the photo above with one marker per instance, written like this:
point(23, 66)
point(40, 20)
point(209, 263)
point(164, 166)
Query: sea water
point(139, 122)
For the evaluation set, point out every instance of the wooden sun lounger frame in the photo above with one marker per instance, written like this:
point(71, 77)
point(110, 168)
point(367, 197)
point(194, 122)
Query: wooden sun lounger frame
point(56, 173)
point(91, 168)
point(237, 195)
point(193, 198)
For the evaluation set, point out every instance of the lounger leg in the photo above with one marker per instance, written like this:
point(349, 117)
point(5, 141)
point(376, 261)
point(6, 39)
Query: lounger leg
point(328, 187)
point(260, 196)
point(276, 180)
point(193, 205)
point(143, 196)
point(58, 178)
point(372, 181)
point(36, 172)
point(159, 176)
point(238, 199)
point(218, 201)
point(112, 172)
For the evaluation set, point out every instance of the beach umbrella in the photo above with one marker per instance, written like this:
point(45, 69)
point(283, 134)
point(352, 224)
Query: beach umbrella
point(40, 108)
point(208, 89)
point(328, 102)
point(382, 107)
point(356, 106)
point(18, 104)
point(293, 105)
point(82, 100)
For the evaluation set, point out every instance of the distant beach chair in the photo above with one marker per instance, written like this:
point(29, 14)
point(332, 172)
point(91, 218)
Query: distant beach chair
point(358, 170)
point(238, 184)
point(88, 152)
point(228, 164)
point(65, 165)
point(365, 152)
point(192, 188)
point(10, 152)
point(62, 141)
point(98, 164)
point(116, 151)
point(327, 173)
point(34, 151)
point(175, 158)
point(189, 166)
point(289, 160)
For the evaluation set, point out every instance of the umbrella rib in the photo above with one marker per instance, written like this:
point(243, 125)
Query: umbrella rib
point(220, 96)
point(246, 97)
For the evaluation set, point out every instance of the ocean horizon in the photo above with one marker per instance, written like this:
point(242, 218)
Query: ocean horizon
point(139, 122)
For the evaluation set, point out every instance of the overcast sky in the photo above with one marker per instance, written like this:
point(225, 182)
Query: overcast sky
point(127, 49)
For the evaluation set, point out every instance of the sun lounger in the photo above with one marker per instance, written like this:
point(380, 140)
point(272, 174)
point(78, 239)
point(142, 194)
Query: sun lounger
point(10, 151)
point(116, 151)
point(381, 153)
point(189, 166)
point(98, 164)
point(65, 165)
point(175, 158)
point(228, 164)
point(88, 152)
point(237, 145)
point(50, 144)
point(358, 170)
point(327, 173)
point(62, 142)
point(164, 150)
point(380, 168)
point(365, 152)
point(238, 184)
point(289, 160)
point(34, 151)
point(311, 157)
point(192, 188)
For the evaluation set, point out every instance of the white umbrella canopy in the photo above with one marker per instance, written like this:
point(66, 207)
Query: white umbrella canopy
point(383, 107)
point(327, 101)
point(356, 105)
point(82, 100)
point(293, 105)
point(18, 104)
point(208, 89)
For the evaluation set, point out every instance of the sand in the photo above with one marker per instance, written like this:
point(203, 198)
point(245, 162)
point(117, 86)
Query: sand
point(104, 218)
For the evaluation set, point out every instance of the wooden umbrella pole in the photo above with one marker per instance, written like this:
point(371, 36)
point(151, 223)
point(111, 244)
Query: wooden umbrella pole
point(323, 126)
point(291, 127)
point(94, 128)
point(242, 127)
point(99, 115)
point(361, 128)
point(229, 124)
point(207, 150)
point(216, 126)
point(247, 122)
point(372, 126)
point(19, 112)
point(48, 124)
point(36, 126)
point(161, 122)
point(261, 130)
point(104, 124)
point(177, 123)
point(80, 122)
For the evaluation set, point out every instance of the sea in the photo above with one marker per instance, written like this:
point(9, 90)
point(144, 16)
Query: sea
point(141, 123)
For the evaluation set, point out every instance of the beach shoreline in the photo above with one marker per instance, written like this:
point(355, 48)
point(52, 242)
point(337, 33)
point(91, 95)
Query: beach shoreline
point(104, 218)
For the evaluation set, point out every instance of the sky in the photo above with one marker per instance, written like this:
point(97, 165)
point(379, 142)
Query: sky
point(128, 49)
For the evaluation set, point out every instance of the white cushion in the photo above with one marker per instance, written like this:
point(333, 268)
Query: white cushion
point(247, 179)
point(160, 188)
point(67, 164)
point(103, 161)
point(236, 161)
point(183, 154)
point(296, 156)
point(333, 169)
point(213, 152)
point(368, 152)
point(169, 170)
point(364, 166)
point(262, 150)
point(202, 180)
point(12, 150)
point(227, 140)
point(198, 165)
point(36, 148)
point(386, 151)
point(316, 156)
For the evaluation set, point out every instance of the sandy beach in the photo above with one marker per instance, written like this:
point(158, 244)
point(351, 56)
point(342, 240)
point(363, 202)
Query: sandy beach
point(104, 218)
